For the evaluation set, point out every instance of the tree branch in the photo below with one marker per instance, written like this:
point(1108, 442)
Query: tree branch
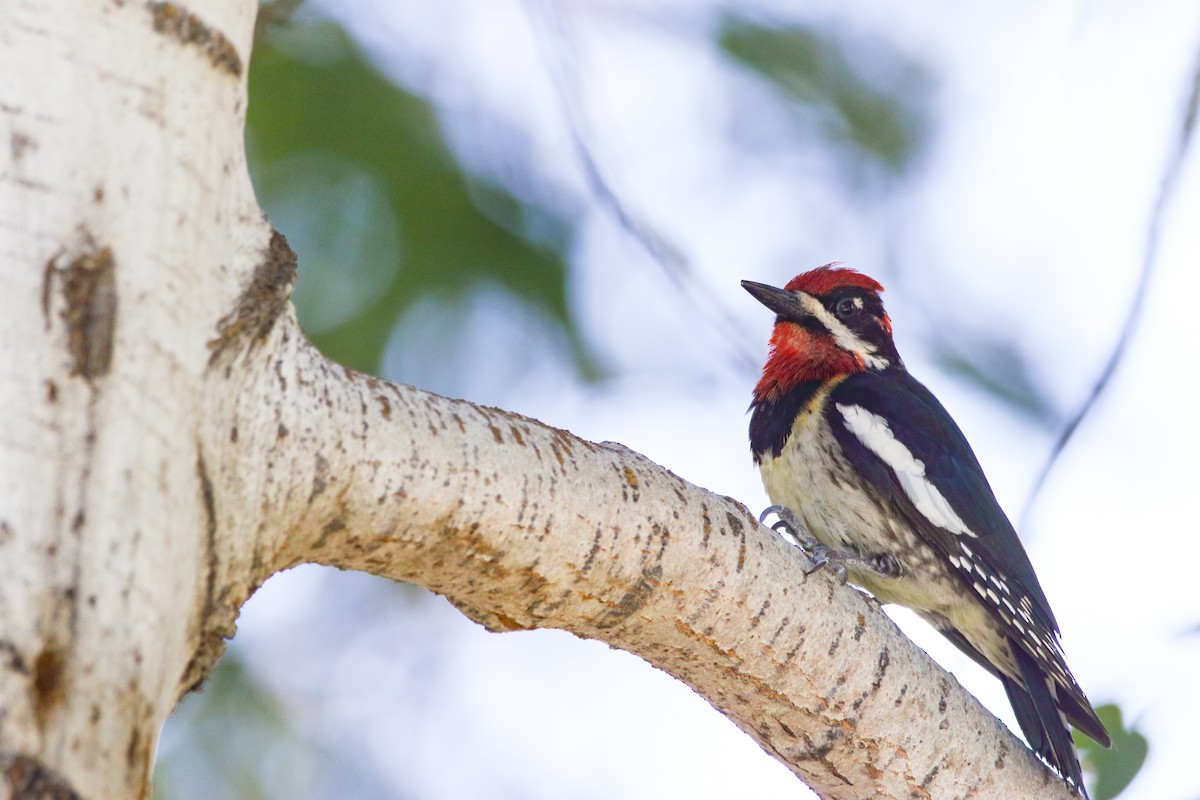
point(522, 525)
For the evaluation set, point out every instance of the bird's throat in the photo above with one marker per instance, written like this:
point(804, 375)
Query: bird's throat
point(799, 356)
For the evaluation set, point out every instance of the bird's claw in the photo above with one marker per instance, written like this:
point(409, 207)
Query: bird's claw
point(826, 557)
point(779, 511)
point(787, 523)
point(823, 555)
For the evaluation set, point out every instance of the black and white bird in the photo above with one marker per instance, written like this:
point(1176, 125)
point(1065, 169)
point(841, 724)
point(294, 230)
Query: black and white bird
point(878, 480)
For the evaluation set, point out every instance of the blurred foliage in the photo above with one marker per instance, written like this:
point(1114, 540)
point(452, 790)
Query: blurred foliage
point(861, 99)
point(354, 171)
point(1114, 768)
point(274, 13)
point(234, 732)
point(234, 740)
point(999, 367)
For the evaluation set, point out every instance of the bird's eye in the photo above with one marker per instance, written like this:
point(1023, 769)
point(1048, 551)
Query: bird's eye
point(847, 307)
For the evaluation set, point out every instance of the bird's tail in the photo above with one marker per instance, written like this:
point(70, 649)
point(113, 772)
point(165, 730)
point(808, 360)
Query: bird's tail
point(1044, 725)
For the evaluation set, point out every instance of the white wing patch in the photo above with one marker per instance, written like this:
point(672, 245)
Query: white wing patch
point(876, 435)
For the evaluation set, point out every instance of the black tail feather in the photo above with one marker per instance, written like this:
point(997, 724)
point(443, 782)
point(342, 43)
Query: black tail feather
point(1081, 714)
point(1043, 710)
point(1044, 726)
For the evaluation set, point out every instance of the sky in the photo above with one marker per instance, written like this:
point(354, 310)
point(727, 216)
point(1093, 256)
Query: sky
point(1028, 215)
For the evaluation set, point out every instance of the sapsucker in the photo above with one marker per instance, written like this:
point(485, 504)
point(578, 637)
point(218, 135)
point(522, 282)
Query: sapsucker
point(863, 457)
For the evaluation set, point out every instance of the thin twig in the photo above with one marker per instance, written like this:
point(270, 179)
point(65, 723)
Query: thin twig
point(561, 62)
point(1166, 193)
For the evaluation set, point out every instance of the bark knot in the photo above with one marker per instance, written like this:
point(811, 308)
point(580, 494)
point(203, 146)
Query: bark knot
point(172, 19)
point(29, 779)
point(634, 599)
point(87, 281)
point(49, 690)
point(261, 303)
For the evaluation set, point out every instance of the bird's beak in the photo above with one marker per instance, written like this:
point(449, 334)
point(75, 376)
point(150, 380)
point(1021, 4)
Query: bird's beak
point(781, 301)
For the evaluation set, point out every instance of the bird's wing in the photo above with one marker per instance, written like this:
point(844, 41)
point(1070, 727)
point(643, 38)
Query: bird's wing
point(900, 438)
point(903, 441)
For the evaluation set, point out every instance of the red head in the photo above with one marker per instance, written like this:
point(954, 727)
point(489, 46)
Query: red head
point(830, 322)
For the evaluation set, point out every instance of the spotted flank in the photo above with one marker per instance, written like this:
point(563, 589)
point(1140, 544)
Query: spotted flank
point(1014, 609)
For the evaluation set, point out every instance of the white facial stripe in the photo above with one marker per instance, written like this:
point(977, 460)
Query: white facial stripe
point(846, 339)
point(876, 435)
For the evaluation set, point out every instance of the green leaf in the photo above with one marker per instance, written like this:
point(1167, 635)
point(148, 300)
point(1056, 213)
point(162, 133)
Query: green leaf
point(1114, 768)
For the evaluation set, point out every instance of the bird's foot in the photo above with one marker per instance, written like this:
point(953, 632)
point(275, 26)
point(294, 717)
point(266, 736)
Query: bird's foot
point(786, 522)
point(822, 555)
point(884, 565)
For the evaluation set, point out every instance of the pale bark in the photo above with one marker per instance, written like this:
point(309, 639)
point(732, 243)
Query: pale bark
point(169, 440)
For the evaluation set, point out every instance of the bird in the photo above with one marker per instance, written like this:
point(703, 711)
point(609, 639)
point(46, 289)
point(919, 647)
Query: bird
point(872, 476)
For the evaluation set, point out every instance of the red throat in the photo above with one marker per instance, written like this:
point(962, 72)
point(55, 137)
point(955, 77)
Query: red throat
point(798, 356)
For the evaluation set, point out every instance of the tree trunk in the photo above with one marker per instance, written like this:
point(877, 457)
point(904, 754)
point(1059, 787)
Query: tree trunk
point(170, 440)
